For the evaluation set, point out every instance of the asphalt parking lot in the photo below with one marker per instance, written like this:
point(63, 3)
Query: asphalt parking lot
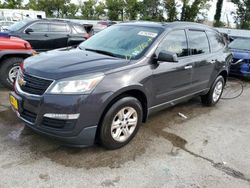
point(208, 149)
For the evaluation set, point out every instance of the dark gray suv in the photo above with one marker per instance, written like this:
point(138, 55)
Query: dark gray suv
point(104, 89)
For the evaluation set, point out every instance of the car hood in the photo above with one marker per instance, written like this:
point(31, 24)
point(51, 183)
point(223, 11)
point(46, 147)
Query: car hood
point(64, 63)
point(241, 54)
point(13, 43)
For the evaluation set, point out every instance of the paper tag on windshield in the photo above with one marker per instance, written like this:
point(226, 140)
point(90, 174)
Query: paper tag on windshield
point(147, 34)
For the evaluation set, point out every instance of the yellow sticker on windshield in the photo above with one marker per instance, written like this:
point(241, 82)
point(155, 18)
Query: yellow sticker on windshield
point(147, 34)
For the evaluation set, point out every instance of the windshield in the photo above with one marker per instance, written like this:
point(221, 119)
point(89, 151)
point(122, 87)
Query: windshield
point(241, 44)
point(122, 41)
point(18, 25)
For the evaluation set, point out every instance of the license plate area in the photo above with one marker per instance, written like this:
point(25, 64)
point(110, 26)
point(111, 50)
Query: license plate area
point(14, 102)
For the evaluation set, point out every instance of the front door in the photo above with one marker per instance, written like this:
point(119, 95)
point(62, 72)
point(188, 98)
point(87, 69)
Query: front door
point(173, 80)
point(38, 37)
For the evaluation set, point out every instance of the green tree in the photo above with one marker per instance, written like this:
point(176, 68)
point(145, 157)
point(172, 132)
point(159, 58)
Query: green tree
point(115, 9)
point(151, 10)
point(51, 7)
point(100, 10)
point(87, 9)
point(70, 10)
point(132, 9)
point(242, 14)
point(217, 15)
point(12, 4)
point(41, 5)
point(171, 9)
point(58, 7)
point(190, 11)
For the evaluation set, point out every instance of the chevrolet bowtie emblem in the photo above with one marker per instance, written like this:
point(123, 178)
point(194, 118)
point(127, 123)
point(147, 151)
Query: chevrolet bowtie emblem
point(21, 82)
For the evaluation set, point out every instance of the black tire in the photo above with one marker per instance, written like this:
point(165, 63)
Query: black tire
point(207, 99)
point(105, 136)
point(5, 66)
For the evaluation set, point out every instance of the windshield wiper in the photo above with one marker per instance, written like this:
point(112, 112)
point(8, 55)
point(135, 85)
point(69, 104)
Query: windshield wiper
point(102, 52)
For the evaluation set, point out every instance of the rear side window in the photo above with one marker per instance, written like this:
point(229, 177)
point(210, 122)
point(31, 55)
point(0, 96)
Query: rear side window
point(40, 27)
point(198, 42)
point(59, 27)
point(79, 29)
point(176, 42)
point(216, 41)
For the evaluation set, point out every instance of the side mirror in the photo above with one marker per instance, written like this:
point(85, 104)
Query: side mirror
point(167, 56)
point(28, 30)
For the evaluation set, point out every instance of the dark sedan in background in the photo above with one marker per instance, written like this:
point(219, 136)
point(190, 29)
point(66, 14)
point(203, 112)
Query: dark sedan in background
point(49, 34)
point(240, 48)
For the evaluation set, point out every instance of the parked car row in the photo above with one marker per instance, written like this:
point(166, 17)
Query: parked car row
point(37, 35)
point(49, 34)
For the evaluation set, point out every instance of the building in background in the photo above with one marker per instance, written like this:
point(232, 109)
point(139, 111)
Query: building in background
point(20, 14)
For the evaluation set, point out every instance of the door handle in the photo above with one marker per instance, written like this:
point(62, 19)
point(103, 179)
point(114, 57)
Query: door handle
point(213, 61)
point(188, 67)
point(46, 35)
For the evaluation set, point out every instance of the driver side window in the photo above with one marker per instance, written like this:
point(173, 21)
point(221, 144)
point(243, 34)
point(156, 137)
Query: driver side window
point(176, 42)
point(39, 27)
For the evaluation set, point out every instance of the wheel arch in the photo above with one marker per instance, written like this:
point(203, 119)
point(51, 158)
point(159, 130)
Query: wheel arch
point(224, 74)
point(11, 54)
point(132, 91)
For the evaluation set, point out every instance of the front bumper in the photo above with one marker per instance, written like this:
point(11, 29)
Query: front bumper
point(77, 132)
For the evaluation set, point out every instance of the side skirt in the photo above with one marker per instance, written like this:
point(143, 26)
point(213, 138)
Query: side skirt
point(174, 102)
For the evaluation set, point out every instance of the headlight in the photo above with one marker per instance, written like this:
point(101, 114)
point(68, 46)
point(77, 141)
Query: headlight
point(76, 85)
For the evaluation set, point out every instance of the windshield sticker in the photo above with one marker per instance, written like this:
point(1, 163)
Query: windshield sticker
point(147, 34)
point(135, 53)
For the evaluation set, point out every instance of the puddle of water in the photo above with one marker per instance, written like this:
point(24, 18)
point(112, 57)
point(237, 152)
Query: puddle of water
point(15, 135)
point(97, 156)
point(94, 156)
point(8, 117)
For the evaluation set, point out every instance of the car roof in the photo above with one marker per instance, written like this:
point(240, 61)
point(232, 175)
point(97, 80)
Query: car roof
point(169, 25)
point(52, 20)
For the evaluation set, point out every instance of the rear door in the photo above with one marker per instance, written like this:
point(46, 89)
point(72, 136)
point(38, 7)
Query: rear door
point(203, 60)
point(38, 38)
point(59, 34)
point(173, 80)
point(78, 34)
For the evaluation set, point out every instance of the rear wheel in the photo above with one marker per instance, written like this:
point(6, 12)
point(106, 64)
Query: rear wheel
point(121, 123)
point(8, 71)
point(215, 92)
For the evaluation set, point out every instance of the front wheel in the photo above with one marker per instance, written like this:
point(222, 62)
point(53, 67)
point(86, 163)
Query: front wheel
point(8, 71)
point(121, 123)
point(215, 92)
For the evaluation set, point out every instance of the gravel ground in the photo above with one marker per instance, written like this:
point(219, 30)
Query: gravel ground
point(208, 149)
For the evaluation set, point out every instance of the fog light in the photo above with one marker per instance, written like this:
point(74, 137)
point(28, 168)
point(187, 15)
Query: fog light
point(62, 116)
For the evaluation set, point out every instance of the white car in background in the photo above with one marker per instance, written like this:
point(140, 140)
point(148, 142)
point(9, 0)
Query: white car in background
point(5, 24)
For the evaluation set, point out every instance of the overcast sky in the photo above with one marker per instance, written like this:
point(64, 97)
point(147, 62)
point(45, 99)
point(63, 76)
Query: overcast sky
point(227, 9)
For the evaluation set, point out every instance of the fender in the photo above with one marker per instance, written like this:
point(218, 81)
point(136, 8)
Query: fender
point(138, 87)
point(23, 53)
point(113, 96)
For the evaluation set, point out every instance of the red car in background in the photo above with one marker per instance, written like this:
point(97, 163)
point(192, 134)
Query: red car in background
point(12, 53)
